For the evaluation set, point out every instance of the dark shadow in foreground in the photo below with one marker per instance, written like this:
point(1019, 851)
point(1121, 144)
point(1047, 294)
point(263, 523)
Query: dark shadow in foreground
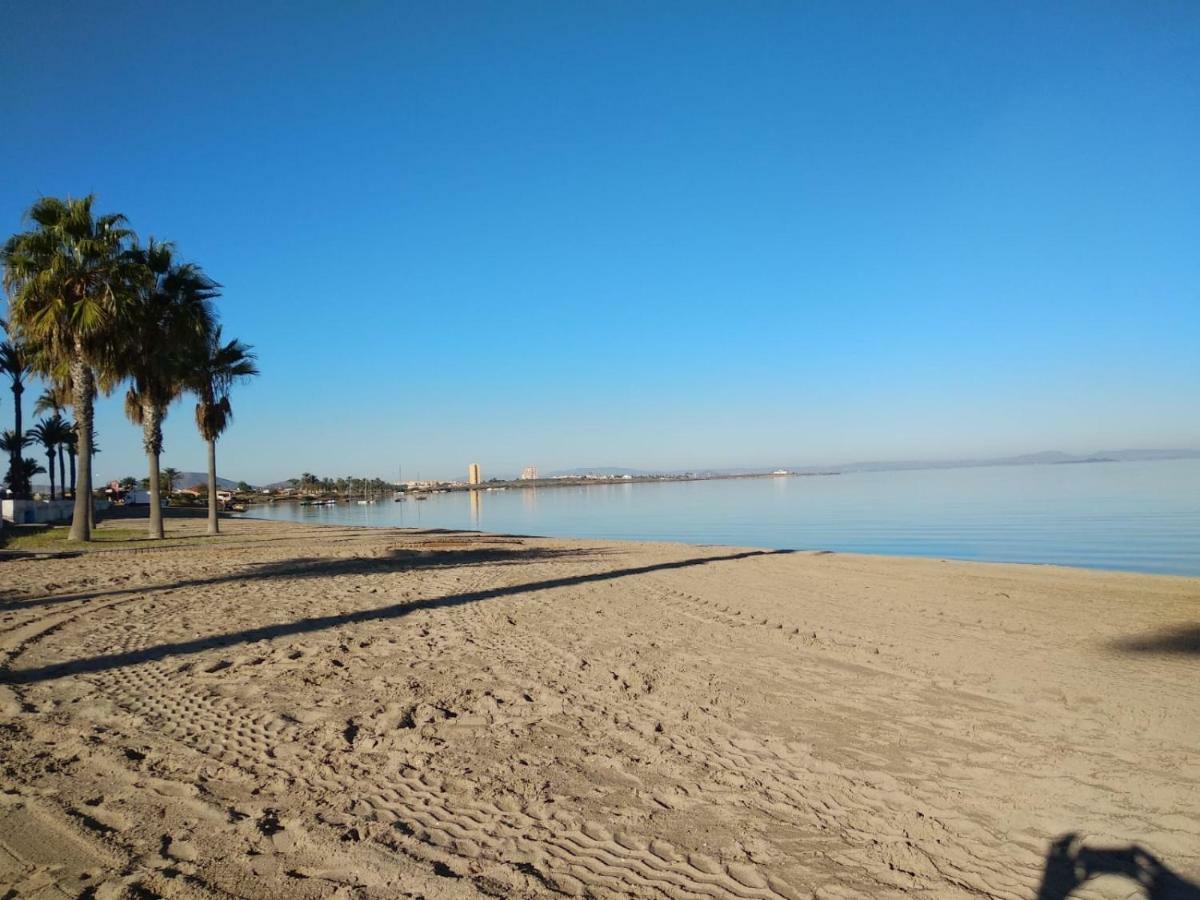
point(319, 623)
point(1180, 639)
point(1070, 864)
point(400, 559)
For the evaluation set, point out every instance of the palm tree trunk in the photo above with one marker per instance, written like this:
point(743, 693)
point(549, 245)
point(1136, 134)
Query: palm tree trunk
point(152, 442)
point(21, 490)
point(50, 470)
point(71, 454)
point(82, 383)
point(213, 528)
point(15, 457)
point(62, 474)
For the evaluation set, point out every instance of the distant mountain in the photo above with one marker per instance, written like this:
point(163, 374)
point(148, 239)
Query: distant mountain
point(1042, 458)
point(1133, 455)
point(1045, 457)
point(191, 479)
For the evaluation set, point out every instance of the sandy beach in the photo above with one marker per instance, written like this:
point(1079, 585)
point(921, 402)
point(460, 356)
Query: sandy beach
point(298, 711)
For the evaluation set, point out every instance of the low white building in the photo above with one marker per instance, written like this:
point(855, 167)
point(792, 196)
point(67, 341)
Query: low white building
point(37, 512)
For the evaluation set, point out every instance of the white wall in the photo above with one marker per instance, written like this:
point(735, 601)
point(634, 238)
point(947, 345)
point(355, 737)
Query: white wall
point(24, 512)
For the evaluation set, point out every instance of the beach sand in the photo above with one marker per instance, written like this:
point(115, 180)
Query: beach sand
point(302, 711)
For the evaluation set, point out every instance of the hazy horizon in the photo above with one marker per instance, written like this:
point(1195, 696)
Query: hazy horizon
point(932, 462)
point(701, 236)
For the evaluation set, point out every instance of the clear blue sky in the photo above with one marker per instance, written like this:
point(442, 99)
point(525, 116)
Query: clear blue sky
point(648, 234)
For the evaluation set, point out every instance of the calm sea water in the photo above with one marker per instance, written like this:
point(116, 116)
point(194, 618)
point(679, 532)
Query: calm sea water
point(1138, 516)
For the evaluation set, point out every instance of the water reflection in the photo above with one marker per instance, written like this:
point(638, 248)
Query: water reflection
point(1142, 516)
point(529, 501)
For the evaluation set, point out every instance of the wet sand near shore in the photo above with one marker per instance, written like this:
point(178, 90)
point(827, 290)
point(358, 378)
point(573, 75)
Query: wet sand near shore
point(304, 711)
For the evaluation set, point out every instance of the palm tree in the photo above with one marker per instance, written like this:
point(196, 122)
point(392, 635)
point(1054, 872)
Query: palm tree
point(169, 477)
point(12, 443)
point(72, 444)
point(168, 319)
point(14, 363)
point(55, 399)
point(45, 433)
point(29, 467)
point(214, 372)
point(68, 277)
point(63, 434)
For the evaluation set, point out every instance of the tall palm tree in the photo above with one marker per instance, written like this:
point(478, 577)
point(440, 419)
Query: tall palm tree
point(62, 434)
point(67, 278)
point(163, 327)
point(72, 444)
point(54, 400)
point(14, 363)
point(214, 372)
point(46, 433)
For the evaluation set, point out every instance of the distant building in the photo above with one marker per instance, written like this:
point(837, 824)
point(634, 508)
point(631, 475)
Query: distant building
point(781, 472)
point(474, 476)
point(529, 473)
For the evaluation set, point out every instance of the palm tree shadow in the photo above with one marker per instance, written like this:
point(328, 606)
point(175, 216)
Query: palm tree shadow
point(322, 568)
point(396, 560)
point(1071, 864)
point(1182, 639)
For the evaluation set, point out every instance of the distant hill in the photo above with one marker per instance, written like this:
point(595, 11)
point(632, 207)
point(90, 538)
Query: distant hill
point(188, 479)
point(1045, 457)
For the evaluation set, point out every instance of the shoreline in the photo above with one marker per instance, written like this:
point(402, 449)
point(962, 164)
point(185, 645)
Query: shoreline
point(297, 709)
point(810, 550)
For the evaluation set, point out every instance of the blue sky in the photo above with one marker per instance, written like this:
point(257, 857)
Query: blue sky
point(645, 234)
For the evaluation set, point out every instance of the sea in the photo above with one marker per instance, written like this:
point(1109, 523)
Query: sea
point(1133, 516)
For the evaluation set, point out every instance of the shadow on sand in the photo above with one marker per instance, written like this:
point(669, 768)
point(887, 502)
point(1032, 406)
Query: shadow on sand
point(1070, 864)
point(304, 568)
point(1180, 639)
point(396, 560)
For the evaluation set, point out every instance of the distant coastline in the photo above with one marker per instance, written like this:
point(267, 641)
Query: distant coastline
point(620, 475)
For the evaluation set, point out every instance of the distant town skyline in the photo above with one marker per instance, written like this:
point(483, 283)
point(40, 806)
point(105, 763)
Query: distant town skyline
point(1050, 457)
point(715, 236)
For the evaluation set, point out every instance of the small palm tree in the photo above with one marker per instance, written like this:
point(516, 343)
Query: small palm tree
point(128, 483)
point(213, 373)
point(45, 433)
point(14, 363)
point(169, 477)
point(165, 322)
point(29, 468)
point(12, 443)
point(67, 278)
